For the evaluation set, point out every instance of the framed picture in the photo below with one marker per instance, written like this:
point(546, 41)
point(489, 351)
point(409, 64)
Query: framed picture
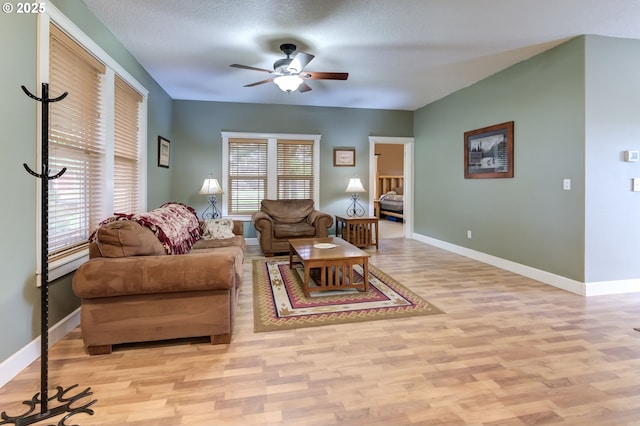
point(488, 152)
point(345, 157)
point(164, 152)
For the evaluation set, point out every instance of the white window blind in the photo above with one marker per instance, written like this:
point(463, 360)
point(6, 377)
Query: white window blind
point(126, 191)
point(76, 142)
point(258, 166)
point(248, 175)
point(295, 169)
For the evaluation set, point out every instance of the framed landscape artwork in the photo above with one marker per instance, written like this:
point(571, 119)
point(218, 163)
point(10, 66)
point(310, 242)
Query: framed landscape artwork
point(488, 152)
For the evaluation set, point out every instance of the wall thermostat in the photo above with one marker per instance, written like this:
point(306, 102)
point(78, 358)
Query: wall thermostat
point(631, 156)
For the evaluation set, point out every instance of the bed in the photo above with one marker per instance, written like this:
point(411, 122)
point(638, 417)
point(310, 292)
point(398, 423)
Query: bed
point(389, 196)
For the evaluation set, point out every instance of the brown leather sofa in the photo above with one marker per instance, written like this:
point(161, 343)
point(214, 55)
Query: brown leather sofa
point(132, 291)
point(278, 221)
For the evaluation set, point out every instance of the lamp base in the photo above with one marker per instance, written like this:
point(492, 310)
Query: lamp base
point(355, 208)
point(214, 213)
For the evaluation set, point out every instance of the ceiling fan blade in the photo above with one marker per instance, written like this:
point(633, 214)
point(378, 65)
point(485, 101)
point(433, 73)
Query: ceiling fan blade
point(246, 67)
point(299, 62)
point(304, 87)
point(326, 75)
point(269, 80)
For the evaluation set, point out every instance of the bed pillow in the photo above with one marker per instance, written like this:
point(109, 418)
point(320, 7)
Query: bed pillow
point(217, 229)
point(391, 196)
point(386, 195)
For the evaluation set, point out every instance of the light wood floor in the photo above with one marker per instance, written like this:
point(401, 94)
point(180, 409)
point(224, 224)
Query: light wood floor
point(508, 351)
point(390, 229)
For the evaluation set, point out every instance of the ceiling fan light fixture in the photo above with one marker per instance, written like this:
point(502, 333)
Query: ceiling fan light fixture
point(288, 83)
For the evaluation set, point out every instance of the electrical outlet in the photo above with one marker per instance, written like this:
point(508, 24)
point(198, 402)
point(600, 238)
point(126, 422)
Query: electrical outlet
point(566, 184)
point(469, 234)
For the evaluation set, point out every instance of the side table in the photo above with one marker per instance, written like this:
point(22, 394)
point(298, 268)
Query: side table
point(359, 231)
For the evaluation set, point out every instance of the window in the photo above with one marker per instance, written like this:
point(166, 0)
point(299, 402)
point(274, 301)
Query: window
point(295, 169)
point(248, 175)
point(274, 166)
point(97, 133)
point(75, 142)
point(126, 167)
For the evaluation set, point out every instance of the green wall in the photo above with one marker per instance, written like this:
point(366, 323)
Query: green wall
point(19, 297)
point(18, 293)
point(529, 219)
point(197, 143)
point(612, 127)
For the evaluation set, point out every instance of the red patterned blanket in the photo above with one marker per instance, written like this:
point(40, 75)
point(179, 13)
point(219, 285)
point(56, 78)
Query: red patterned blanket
point(175, 224)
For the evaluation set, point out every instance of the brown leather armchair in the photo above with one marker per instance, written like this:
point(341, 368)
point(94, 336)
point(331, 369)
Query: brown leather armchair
point(278, 221)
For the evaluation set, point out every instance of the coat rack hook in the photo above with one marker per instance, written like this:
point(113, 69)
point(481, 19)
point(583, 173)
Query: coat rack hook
point(32, 96)
point(60, 173)
point(31, 172)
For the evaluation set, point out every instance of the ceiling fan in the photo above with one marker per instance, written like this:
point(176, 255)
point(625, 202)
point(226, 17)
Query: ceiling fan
point(288, 72)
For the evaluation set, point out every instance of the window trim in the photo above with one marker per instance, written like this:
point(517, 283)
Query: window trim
point(272, 139)
point(51, 15)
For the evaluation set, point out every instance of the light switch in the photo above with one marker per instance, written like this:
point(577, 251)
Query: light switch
point(635, 184)
point(566, 184)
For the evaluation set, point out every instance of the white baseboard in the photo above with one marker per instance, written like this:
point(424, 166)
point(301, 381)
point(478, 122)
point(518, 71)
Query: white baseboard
point(31, 352)
point(601, 288)
point(567, 284)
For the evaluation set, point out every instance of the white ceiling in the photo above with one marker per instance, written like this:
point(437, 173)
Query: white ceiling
point(400, 54)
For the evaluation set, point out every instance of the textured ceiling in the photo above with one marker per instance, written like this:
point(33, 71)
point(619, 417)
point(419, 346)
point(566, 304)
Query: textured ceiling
point(400, 54)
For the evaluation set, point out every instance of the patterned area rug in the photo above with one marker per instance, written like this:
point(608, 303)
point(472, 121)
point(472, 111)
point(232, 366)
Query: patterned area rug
point(279, 302)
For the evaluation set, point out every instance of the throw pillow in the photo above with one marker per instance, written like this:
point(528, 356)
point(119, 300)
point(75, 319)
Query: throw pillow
point(217, 229)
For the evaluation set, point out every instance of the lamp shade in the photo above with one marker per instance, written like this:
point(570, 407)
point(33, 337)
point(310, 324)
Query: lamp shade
point(355, 186)
point(288, 83)
point(211, 186)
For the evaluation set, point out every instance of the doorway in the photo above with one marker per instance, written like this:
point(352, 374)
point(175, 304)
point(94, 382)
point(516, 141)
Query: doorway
point(397, 176)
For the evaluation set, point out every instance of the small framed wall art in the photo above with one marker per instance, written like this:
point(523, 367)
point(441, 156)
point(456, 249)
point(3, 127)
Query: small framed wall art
point(164, 152)
point(344, 157)
point(488, 152)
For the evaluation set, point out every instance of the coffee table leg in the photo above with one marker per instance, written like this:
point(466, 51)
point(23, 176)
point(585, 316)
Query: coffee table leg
point(307, 272)
point(366, 274)
point(290, 256)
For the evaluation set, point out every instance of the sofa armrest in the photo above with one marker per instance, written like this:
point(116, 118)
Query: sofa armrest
point(238, 227)
point(321, 221)
point(262, 222)
point(108, 277)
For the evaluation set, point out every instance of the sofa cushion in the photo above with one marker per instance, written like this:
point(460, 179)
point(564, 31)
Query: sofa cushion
point(127, 238)
point(293, 230)
point(287, 211)
point(217, 229)
point(202, 244)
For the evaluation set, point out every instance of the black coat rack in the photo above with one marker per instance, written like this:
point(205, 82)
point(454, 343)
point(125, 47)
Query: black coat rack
point(63, 395)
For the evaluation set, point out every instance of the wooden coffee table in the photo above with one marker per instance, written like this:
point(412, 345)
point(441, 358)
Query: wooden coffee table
point(335, 264)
